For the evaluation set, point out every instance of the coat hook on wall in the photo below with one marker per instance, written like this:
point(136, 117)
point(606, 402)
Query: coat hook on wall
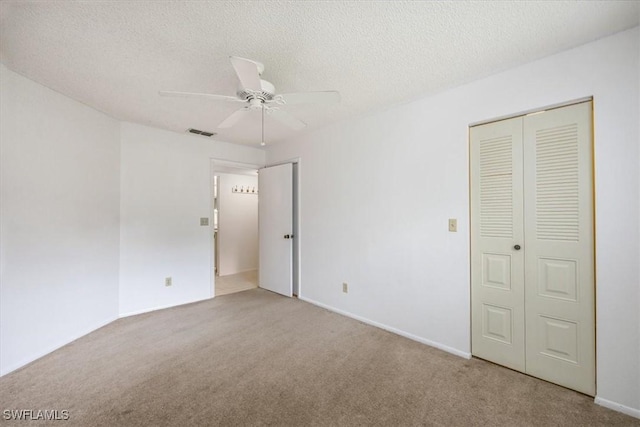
point(244, 190)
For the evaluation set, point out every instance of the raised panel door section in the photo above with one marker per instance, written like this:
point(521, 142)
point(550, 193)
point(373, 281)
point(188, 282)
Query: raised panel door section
point(557, 278)
point(497, 269)
point(496, 323)
point(559, 254)
point(558, 338)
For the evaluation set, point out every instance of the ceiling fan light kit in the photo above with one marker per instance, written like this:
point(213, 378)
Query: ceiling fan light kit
point(259, 94)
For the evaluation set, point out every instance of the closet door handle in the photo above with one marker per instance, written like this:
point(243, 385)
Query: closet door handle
point(516, 247)
point(286, 236)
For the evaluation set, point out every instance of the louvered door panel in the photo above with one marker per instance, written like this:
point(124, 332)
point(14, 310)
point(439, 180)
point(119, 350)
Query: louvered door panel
point(557, 201)
point(496, 187)
point(497, 270)
point(559, 271)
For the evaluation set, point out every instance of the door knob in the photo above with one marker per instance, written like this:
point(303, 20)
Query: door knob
point(516, 247)
point(286, 236)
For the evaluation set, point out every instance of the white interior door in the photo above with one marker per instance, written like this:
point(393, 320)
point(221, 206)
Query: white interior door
point(275, 213)
point(559, 251)
point(497, 266)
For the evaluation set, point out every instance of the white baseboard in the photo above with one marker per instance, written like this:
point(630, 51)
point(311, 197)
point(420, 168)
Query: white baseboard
point(161, 307)
point(54, 347)
point(617, 407)
point(402, 333)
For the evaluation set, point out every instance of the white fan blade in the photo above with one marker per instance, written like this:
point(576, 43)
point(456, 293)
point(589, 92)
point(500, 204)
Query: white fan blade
point(200, 95)
point(234, 118)
point(248, 72)
point(326, 97)
point(286, 119)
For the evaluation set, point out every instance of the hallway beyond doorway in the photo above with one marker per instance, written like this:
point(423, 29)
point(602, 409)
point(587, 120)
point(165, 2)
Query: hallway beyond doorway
point(236, 282)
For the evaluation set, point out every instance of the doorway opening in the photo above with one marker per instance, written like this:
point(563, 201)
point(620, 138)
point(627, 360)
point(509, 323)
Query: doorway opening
point(265, 250)
point(235, 228)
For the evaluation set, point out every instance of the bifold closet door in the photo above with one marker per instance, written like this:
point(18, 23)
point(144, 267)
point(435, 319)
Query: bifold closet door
point(559, 247)
point(497, 267)
point(532, 245)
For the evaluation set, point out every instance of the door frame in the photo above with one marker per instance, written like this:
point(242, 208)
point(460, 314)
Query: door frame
point(297, 225)
point(220, 166)
point(593, 208)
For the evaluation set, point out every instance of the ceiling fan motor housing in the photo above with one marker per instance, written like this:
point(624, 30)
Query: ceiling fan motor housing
point(266, 94)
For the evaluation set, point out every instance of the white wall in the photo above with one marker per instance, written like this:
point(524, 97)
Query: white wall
point(166, 188)
point(238, 225)
point(376, 194)
point(59, 219)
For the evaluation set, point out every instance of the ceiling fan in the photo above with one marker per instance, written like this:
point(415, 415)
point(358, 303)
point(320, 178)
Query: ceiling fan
point(258, 94)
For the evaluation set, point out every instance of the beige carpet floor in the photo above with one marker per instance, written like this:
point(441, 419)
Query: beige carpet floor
point(255, 358)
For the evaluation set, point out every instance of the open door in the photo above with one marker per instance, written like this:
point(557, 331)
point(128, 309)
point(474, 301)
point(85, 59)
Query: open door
point(275, 213)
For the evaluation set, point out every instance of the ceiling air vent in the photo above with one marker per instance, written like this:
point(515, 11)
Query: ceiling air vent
point(201, 132)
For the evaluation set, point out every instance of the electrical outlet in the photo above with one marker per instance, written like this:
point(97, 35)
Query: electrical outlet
point(168, 281)
point(204, 222)
point(453, 224)
point(345, 287)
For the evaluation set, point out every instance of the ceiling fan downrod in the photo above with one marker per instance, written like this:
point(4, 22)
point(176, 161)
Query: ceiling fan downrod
point(262, 142)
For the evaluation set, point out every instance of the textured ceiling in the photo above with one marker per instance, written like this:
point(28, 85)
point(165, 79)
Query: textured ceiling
point(116, 55)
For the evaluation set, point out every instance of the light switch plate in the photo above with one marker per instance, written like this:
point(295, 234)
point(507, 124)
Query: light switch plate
point(204, 221)
point(453, 224)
